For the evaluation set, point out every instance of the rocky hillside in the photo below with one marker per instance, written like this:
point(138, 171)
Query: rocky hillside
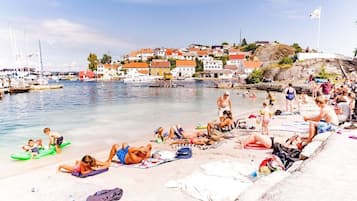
point(302, 69)
point(273, 52)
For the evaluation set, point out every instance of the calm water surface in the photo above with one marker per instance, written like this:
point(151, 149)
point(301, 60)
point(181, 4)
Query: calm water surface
point(94, 115)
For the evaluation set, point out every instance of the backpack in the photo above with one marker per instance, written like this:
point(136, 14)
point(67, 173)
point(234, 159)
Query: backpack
point(107, 195)
point(184, 153)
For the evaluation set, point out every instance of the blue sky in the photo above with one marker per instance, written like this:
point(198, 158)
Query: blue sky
point(70, 29)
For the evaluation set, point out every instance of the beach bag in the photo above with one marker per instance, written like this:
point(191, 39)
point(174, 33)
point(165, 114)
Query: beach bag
point(270, 164)
point(107, 195)
point(184, 153)
point(278, 112)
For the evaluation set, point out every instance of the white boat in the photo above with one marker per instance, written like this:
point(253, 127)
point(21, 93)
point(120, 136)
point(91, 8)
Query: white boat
point(140, 79)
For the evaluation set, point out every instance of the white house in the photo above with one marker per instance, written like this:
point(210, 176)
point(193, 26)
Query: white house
point(184, 68)
point(107, 71)
point(160, 52)
point(212, 65)
point(236, 59)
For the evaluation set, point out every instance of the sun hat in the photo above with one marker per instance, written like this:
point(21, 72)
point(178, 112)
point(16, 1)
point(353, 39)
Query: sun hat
point(226, 93)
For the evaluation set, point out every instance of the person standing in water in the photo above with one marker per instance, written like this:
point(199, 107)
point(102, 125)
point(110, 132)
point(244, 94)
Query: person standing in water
point(290, 95)
point(223, 103)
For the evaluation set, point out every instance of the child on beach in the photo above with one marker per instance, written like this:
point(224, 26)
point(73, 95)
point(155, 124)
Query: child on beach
point(55, 138)
point(33, 146)
point(85, 166)
point(266, 116)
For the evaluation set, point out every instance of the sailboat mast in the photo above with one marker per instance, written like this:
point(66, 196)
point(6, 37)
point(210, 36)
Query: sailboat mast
point(39, 45)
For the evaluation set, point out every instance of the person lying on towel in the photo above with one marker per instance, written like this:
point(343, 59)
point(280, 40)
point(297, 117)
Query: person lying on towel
point(85, 166)
point(129, 155)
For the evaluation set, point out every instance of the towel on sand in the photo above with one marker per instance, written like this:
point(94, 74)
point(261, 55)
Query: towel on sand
point(218, 181)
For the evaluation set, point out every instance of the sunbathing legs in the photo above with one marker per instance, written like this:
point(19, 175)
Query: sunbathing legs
point(258, 138)
point(129, 155)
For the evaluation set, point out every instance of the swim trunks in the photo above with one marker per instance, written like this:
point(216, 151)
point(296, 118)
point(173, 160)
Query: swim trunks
point(121, 153)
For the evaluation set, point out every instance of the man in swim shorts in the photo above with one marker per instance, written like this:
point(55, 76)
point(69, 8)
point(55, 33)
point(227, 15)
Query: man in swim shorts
point(129, 155)
point(224, 104)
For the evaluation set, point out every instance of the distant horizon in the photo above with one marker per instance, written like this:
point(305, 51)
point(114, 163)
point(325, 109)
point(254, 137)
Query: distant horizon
point(69, 31)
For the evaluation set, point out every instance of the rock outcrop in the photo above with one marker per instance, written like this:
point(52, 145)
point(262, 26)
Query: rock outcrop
point(273, 52)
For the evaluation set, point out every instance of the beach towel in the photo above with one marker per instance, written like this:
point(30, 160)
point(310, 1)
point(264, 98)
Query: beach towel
point(218, 181)
point(95, 172)
point(151, 162)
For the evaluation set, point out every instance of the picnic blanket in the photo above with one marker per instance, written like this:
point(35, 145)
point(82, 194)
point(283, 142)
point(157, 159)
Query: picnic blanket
point(218, 181)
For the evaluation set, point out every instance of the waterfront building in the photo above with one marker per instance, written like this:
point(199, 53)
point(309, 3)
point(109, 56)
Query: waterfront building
point(184, 68)
point(107, 71)
point(236, 59)
point(159, 67)
point(249, 66)
point(136, 67)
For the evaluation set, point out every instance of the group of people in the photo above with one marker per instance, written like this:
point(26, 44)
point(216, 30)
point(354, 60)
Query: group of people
point(34, 146)
point(326, 119)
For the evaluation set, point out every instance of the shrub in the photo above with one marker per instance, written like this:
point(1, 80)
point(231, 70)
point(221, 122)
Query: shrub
point(256, 76)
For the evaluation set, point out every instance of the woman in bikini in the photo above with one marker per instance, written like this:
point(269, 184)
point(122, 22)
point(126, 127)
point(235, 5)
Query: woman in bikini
point(85, 166)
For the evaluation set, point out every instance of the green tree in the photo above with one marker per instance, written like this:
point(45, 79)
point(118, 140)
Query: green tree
point(297, 47)
point(172, 63)
point(256, 76)
point(199, 65)
point(250, 47)
point(286, 60)
point(323, 73)
point(93, 61)
point(244, 42)
point(106, 59)
point(223, 59)
point(225, 43)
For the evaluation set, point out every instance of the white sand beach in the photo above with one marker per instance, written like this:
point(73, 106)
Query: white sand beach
point(215, 168)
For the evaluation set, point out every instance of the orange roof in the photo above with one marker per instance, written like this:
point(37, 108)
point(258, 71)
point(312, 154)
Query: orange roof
point(193, 49)
point(252, 64)
point(136, 65)
point(185, 63)
point(160, 64)
point(111, 65)
point(202, 53)
point(143, 71)
point(236, 57)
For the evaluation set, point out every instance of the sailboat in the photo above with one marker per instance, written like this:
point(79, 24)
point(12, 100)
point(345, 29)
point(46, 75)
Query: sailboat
point(42, 83)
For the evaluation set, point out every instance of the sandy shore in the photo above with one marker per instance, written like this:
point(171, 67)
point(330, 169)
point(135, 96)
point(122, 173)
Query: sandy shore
point(138, 184)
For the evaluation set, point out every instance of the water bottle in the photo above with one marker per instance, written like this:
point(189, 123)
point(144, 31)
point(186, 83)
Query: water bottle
point(254, 174)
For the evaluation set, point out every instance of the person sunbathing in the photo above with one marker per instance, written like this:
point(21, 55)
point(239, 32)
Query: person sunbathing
point(227, 124)
point(177, 132)
point(324, 121)
point(293, 142)
point(84, 166)
point(195, 141)
point(129, 155)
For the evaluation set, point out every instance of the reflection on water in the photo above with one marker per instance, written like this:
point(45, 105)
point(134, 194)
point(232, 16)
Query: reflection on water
point(96, 114)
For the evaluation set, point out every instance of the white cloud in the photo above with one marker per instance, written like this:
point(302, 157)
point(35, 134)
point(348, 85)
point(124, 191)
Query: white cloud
point(69, 42)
